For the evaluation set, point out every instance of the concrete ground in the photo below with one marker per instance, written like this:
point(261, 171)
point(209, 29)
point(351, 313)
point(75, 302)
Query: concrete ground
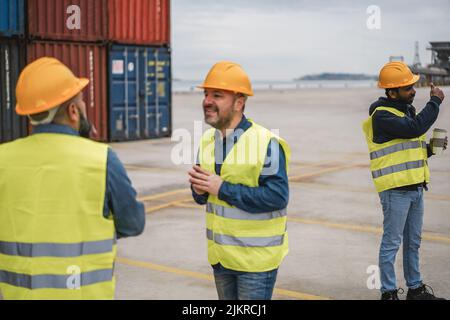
point(334, 212)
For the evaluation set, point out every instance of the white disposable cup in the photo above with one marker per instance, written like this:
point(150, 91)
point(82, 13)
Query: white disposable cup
point(438, 140)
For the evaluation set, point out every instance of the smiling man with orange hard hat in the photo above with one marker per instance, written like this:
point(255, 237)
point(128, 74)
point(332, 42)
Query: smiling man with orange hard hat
point(399, 154)
point(241, 176)
point(64, 199)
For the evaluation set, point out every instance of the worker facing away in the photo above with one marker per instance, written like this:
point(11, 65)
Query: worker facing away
point(399, 154)
point(241, 177)
point(64, 199)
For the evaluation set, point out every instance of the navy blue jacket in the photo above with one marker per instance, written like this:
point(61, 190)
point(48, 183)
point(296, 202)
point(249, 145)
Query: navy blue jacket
point(387, 126)
point(120, 198)
point(273, 191)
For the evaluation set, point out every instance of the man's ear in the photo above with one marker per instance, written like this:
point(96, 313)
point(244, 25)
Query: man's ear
point(394, 94)
point(240, 103)
point(72, 112)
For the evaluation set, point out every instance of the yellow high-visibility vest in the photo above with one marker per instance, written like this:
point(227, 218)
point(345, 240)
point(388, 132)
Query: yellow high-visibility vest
point(399, 162)
point(237, 239)
point(54, 240)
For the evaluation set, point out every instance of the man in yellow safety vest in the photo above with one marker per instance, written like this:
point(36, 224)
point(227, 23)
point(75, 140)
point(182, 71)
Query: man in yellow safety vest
point(241, 176)
point(399, 156)
point(64, 199)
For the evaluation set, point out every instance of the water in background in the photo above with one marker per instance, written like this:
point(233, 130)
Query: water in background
point(191, 85)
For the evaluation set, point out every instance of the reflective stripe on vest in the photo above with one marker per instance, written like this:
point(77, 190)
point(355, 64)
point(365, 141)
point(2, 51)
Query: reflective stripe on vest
point(63, 250)
point(50, 281)
point(245, 241)
point(238, 214)
point(396, 148)
point(398, 168)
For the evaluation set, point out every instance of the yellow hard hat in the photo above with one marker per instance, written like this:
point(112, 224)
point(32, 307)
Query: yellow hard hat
point(396, 75)
point(45, 84)
point(228, 76)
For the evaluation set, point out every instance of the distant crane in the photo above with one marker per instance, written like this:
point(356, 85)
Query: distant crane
point(416, 61)
point(438, 71)
point(440, 54)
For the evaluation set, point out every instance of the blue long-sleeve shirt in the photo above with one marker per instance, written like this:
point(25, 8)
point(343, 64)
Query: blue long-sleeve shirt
point(387, 126)
point(120, 197)
point(273, 191)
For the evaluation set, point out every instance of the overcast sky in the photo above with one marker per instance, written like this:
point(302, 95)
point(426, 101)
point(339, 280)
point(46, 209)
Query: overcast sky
point(285, 39)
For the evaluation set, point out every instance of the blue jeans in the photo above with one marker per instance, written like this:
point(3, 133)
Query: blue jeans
point(236, 285)
point(403, 218)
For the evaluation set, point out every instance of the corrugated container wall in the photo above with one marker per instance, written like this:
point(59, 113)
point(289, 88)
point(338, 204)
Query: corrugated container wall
point(140, 93)
point(142, 22)
point(76, 20)
point(12, 18)
point(88, 61)
point(12, 60)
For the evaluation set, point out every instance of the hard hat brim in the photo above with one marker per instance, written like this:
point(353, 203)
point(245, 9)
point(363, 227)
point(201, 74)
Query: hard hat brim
point(69, 94)
point(414, 79)
point(247, 93)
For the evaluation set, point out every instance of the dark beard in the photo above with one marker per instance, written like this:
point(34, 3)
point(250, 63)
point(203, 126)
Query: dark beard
point(85, 127)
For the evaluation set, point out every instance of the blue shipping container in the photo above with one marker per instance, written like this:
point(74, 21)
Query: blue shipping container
point(140, 93)
point(12, 60)
point(12, 18)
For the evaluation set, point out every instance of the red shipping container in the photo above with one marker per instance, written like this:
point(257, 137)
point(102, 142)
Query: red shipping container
point(87, 61)
point(142, 22)
point(77, 20)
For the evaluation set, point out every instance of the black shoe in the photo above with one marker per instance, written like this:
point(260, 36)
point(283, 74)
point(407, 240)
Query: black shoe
point(423, 292)
point(392, 295)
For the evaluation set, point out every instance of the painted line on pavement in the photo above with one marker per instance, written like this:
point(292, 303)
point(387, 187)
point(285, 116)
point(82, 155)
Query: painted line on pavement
point(304, 165)
point(208, 277)
point(293, 178)
point(133, 167)
point(163, 195)
point(326, 186)
point(190, 206)
point(166, 205)
point(428, 236)
point(364, 228)
point(298, 178)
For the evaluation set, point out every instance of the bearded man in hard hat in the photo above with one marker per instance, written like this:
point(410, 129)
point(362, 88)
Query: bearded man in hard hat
point(396, 136)
point(64, 199)
point(241, 176)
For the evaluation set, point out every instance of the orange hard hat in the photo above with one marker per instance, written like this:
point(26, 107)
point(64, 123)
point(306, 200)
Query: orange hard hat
point(229, 76)
point(396, 75)
point(45, 84)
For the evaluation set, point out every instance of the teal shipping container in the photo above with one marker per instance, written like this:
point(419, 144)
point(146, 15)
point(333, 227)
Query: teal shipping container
point(140, 93)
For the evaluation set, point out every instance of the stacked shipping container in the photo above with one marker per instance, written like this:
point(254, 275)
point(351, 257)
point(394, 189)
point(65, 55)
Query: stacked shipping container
point(12, 60)
point(74, 20)
point(12, 18)
point(140, 93)
point(139, 22)
point(96, 39)
point(140, 69)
